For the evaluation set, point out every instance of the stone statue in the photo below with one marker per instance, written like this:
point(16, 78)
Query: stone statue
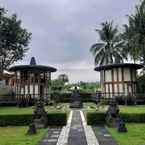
point(121, 126)
point(76, 100)
point(112, 117)
point(40, 116)
point(112, 113)
point(32, 129)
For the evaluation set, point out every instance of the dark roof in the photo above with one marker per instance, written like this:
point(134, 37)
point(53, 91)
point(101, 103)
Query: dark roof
point(109, 66)
point(32, 68)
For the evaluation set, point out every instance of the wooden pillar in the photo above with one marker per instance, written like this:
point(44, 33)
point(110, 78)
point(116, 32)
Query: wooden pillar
point(123, 84)
point(39, 84)
point(34, 75)
point(28, 84)
point(117, 70)
point(112, 73)
point(46, 84)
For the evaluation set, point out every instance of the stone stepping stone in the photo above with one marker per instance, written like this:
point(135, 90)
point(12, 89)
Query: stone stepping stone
point(104, 136)
point(51, 137)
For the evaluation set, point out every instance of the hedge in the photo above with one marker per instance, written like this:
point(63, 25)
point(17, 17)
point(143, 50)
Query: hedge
point(95, 118)
point(25, 119)
point(86, 97)
point(133, 117)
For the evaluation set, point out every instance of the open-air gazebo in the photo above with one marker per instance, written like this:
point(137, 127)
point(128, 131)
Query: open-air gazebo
point(31, 80)
point(118, 79)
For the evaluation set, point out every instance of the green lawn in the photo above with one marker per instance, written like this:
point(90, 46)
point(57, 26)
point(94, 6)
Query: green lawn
point(132, 109)
point(29, 110)
point(134, 136)
point(92, 107)
point(17, 136)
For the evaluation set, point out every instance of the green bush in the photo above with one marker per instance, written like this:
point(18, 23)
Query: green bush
point(133, 117)
point(26, 119)
point(15, 120)
point(94, 118)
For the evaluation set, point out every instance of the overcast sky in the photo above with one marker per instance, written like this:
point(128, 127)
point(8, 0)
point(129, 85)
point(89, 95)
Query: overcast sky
point(63, 31)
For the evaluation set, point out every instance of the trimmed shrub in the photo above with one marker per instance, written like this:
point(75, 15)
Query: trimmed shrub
point(86, 97)
point(94, 118)
point(133, 117)
point(26, 119)
point(57, 119)
point(15, 120)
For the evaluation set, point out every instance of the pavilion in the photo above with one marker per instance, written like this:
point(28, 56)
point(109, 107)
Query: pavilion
point(31, 81)
point(118, 79)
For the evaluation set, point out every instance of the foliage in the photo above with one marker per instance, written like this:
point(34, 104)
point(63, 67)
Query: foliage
point(88, 87)
point(17, 136)
point(111, 49)
point(63, 77)
point(134, 34)
point(133, 117)
point(26, 119)
point(14, 39)
point(56, 89)
point(95, 118)
point(141, 84)
point(134, 136)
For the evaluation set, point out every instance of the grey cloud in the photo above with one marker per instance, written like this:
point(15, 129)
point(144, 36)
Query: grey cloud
point(63, 30)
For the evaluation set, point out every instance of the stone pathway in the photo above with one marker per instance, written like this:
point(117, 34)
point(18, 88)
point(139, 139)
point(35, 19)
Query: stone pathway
point(51, 137)
point(76, 134)
point(104, 136)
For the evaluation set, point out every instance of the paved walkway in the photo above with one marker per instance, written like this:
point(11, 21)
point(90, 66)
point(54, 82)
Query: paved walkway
point(76, 134)
point(104, 136)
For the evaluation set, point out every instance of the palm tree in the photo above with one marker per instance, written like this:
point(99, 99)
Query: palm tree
point(110, 50)
point(134, 34)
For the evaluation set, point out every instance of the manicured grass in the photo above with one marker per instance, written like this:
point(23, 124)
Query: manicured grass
point(134, 136)
point(29, 110)
point(132, 109)
point(17, 136)
point(92, 107)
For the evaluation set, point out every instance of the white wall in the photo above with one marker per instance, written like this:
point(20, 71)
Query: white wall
point(108, 76)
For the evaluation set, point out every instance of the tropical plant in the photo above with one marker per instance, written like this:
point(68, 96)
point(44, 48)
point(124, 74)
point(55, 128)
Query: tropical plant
point(63, 77)
point(134, 34)
point(110, 50)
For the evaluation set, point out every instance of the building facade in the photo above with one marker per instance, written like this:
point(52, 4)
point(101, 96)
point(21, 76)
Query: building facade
point(118, 79)
point(32, 81)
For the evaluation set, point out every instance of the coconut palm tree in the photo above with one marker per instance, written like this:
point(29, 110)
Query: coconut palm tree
point(134, 34)
point(110, 50)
